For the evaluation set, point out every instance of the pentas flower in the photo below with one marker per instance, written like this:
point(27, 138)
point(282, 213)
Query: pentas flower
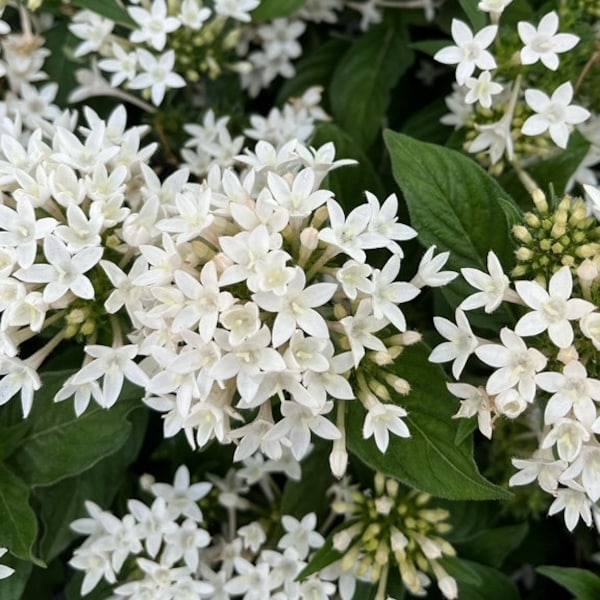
point(544, 43)
point(481, 89)
point(553, 114)
point(553, 309)
point(157, 74)
point(153, 25)
point(470, 50)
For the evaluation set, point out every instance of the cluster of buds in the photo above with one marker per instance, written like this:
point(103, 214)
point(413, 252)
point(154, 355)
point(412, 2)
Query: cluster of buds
point(390, 528)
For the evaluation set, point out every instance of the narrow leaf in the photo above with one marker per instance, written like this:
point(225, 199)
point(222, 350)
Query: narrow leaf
point(109, 9)
point(18, 525)
point(274, 9)
point(429, 460)
point(583, 584)
point(361, 85)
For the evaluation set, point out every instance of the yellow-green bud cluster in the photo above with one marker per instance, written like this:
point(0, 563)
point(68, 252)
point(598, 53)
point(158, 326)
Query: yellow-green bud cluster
point(551, 238)
point(390, 527)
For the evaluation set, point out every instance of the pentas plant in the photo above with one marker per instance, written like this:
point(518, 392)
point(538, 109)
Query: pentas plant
point(524, 85)
point(171, 546)
point(545, 367)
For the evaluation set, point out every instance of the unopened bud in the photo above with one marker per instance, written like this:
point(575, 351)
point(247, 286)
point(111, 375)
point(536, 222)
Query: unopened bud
point(585, 251)
point(338, 458)
point(524, 254)
point(309, 238)
point(411, 337)
point(522, 234)
point(539, 199)
point(587, 270)
point(147, 481)
point(379, 390)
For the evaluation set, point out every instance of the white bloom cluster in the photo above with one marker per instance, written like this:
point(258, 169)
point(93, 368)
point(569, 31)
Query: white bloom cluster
point(227, 300)
point(177, 557)
point(555, 374)
point(552, 113)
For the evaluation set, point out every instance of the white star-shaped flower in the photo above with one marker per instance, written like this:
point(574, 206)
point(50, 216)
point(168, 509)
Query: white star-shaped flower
point(552, 309)
point(553, 114)
point(481, 89)
point(544, 43)
point(469, 51)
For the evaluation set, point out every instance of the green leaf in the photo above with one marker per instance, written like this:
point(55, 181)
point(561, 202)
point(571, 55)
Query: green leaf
point(61, 43)
point(12, 587)
point(491, 547)
point(460, 569)
point(454, 204)
point(348, 182)
point(583, 584)
point(295, 501)
point(315, 68)
point(361, 84)
point(429, 460)
point(11, 437)
point(425, 123)
point(60, 444)
point(477, 17)
point(18, 524)
point(110, 9)
point(273, 9)
point(63, 502)
point(494, 585)
point(430, 47)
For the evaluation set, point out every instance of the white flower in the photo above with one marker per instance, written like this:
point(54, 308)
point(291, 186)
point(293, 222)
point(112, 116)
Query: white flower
point(553, 114)
point(475, 401)
point(575, 503)
point(300, 535)
point(429, 272)
point(544, 43)
point(383, 418)
point(586, 466)
point(497, 137)
point(494, 287)
point(153, 26)
point(541, 466)
point(192, 15)
point(482, 89)
point(572, 390)
point(590, 327)
point(568, 435)
point(552, 309)
point(470, 51)
point(460, 345)
point(517, 365)
point(158, 74)
point(493, 6)
point(4, 570)
point(360, 328)
point(236, 9)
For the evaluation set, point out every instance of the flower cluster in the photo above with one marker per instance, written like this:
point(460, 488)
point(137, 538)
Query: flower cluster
point(545, 369)
point(513, 104)
point(390, 529)
point(168, 547)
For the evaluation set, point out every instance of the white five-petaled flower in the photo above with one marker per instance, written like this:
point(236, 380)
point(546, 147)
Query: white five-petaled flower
point(553, 114)
point(474, 401)
point(552, 309)
point(469, 51)
point(153, 25)
point(544, 43)
point(460, 345)
point(481, 89)
point(494, 286)
point(383, 418)
point(157, 75)
point(516, 365)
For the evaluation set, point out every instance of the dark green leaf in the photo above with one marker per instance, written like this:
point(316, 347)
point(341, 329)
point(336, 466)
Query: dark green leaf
point(430, 47)
point(477, 17)
point(314, 69)
point(460, 569)
point(429, 460)
point(491, 547)
point(273, 9)
point(425, 124)
point(295, 501)
point(63, 502)
point(494, 585)
point(12, 587)
point(361, 84)
point(10, 437)
point(348, 182)
point(110, 9)
point(454, 204)
point(18, 525)
point(60, 444)
point(583, 584)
